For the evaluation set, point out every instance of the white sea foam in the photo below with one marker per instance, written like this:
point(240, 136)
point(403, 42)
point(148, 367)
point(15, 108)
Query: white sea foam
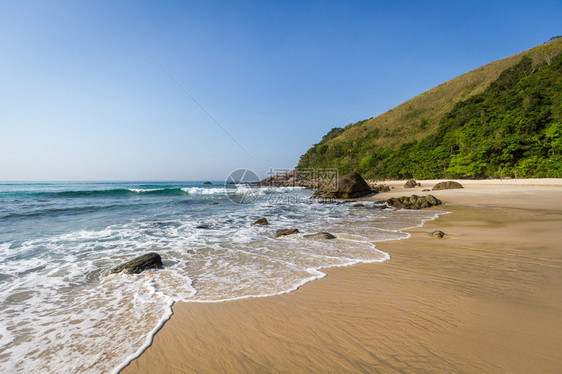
point(204, 191)
point(140, 190)
point(239, 189)
point(282, 189)
point(62, 313)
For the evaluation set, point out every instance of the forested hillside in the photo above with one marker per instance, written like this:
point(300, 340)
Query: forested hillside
point(511, 127)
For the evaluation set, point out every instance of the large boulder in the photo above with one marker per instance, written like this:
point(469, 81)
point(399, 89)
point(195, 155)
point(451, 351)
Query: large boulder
point(320, 235)
point(413, 202)
point(447, 185)
point(285, 232)
point(137, 265)
point(348, 186)
point(411, 183)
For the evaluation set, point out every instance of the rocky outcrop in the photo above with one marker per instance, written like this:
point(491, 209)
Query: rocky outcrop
point(207, 183)
point(413, 202)
point(287, 179)
point(292, 178)
point(137, 265)
point(320, 235)
point(285, 232)
point(348, 186)
point(411, 183)
point(447, 185)
point(261, 221)
point(437, 234)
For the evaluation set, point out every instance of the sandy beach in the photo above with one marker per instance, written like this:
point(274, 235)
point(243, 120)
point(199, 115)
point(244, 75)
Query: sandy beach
point(486, 298)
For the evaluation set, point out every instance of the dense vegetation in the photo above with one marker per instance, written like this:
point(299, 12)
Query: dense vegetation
point(512, 128)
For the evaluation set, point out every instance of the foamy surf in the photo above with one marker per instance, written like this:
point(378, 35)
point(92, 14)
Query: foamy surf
point(62, 312)
point(204, 191)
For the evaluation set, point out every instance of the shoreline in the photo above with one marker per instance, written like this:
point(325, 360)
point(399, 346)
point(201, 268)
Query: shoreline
point(421, 305)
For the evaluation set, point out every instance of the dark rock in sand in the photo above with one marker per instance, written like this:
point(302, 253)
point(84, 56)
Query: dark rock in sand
point(285, 232)
point(320, 235)
point(261, 221)
point(137, 265)
point(426, 190)
point(381, 188)
point(348, 186)
point(411, 183)
point(207, 183)
point(449, 185)
point(413, 202)
point(437, 234)
point(358, 205)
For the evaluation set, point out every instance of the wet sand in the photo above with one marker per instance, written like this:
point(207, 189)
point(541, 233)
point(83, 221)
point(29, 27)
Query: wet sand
point(486, 298)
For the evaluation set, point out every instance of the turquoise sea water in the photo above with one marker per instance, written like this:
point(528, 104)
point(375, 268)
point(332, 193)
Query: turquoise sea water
point(60, 310)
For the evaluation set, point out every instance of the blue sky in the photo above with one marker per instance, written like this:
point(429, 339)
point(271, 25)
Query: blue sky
point(81, 97)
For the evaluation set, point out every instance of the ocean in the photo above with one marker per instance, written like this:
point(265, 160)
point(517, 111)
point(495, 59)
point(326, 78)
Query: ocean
point(61, 310)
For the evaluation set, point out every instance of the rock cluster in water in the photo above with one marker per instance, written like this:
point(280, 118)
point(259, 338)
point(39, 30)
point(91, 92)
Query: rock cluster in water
point(292, 178)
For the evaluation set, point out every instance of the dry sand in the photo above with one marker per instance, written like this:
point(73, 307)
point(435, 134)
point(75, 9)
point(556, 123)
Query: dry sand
point(487, 298)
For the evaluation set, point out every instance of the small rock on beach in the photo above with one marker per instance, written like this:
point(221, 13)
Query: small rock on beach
point(320, 235)
point(261, 221)
point(449, 185)
point(285, 232)
point(139, 264)
point(437, 234)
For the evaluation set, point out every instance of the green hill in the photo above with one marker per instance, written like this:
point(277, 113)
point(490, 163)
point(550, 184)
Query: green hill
point(504, 118)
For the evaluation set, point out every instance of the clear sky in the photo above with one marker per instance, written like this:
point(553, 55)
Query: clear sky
point(82, 97)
